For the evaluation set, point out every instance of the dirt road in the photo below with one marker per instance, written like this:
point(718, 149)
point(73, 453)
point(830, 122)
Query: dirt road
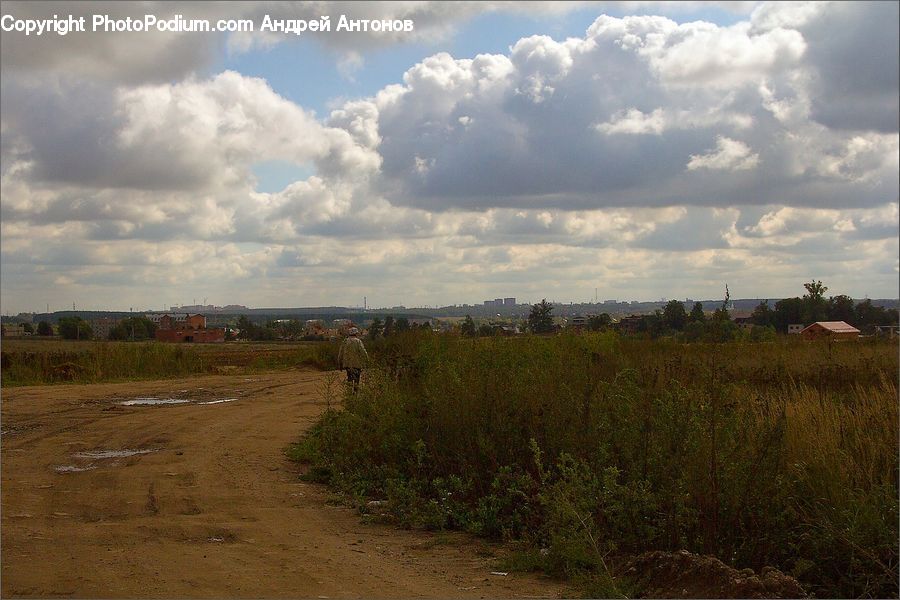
point(196, 499)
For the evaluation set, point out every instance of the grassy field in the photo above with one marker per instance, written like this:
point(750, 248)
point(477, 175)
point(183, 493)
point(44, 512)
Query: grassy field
point(588, 448)
point(37, 361)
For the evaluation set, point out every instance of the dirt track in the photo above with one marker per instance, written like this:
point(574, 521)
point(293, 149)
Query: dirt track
point(212, 509)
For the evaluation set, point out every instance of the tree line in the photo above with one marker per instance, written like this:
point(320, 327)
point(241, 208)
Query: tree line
point(718, 325)
point(673, 320)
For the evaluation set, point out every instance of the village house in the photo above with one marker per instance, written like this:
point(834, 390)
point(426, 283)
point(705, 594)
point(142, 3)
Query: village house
point(579, 323)
point(12, 330)
point(629, 324)
point(834, 330)
point(314, 327)
point(744, 322)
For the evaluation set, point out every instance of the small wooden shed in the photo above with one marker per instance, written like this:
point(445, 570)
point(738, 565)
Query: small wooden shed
point(834, 330)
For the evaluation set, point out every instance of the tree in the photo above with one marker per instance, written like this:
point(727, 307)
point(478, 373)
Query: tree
point(599, 322)
point(389, 326)
point(674, 316)
point(815, 290)
point(539, 319)
point(762, 334)
point(814, 306)
point(721, 314)
point(401, 325)
point(27, 327)
point(467, 328)
point(721, 328)
point(788, 311)
point(245, 327)
point(287, 329)
point(44, 328)
point(252, 331)
point(653, 324)
point(75, 328)
point(841, 308)
point(265, 334)
point(693, 331)
point(869, 315)
point(697, 314)
point(133, 328)
point(763, 315)
point(376, 328)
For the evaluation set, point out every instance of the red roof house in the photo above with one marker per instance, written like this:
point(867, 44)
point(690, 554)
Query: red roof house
point(835, 330)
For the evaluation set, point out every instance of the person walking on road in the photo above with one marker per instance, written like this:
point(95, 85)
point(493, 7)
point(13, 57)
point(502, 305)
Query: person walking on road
point(352, 357)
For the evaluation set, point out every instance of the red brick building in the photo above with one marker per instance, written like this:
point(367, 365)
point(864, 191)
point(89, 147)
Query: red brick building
point(190, 328)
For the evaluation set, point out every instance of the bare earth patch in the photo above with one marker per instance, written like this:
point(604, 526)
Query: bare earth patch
point(215, 510)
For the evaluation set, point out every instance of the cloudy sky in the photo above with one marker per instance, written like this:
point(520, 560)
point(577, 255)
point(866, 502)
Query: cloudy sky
point(499, 149)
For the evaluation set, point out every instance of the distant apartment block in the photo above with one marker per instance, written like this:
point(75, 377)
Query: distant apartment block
point(500, 302)
point(102, 326)
point(193, 308)
point(208, 308)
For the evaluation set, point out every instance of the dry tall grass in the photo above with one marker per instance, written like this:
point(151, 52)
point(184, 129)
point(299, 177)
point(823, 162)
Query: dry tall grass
point(781, 454)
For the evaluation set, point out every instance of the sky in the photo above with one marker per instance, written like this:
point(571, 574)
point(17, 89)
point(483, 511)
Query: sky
point(632, 150)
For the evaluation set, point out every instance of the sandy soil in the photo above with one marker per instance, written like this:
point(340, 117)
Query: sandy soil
point(209, 508)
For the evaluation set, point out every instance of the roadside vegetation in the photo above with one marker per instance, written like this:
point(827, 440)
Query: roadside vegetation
point(586, 449)
point(38, 362)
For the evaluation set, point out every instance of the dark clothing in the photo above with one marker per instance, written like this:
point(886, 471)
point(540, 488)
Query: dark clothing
point(353, 377)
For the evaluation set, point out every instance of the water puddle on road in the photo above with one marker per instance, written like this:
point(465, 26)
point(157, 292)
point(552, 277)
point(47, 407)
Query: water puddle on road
point(101, 454)
point(154, 401)
point(73, 469)
point(219, 401)
point(96, 455)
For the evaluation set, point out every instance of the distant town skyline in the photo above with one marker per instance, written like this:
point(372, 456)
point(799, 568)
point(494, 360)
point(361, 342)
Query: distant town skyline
point(709, 304)
point(497, 149)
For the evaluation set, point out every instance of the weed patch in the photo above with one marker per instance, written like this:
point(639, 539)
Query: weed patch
point(585, 448)
point(50, 362)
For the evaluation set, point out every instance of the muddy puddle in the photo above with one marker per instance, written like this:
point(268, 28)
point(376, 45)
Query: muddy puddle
point(73, 468)
point(153, 401)
point(100, 455)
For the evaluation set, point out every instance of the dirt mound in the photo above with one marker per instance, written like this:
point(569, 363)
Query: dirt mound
point(685, 575)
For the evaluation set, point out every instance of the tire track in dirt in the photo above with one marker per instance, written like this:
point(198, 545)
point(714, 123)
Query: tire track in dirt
point(211, 509)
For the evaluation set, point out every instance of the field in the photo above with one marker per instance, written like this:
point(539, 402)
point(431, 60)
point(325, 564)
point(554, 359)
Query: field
point(587, 454)
point(37, 361)
point(588, 450)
